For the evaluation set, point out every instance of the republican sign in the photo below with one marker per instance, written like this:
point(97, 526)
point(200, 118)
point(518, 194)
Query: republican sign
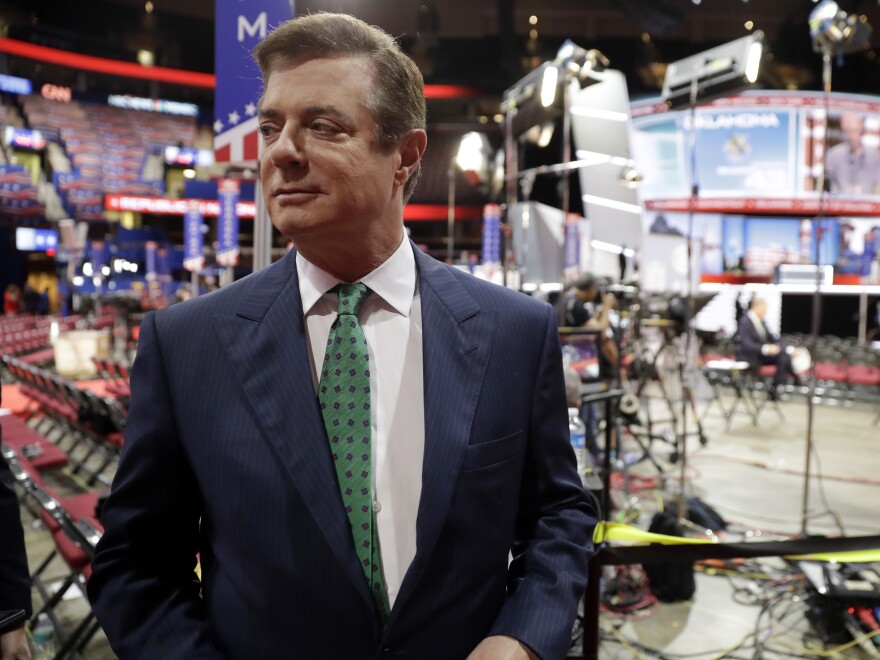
point(193, 243)
point(491, 234)
point(227, 224)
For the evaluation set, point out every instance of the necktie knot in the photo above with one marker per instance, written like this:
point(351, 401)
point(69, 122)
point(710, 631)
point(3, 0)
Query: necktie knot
point(351, 296)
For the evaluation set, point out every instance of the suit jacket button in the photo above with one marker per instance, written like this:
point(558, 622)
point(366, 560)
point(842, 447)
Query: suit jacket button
point(386, 654)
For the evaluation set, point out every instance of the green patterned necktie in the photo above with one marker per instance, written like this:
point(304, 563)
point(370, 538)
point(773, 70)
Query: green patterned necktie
point(344, 397)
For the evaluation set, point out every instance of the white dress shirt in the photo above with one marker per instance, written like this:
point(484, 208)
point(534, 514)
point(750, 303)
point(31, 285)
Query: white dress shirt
point(392, 321)
point(759, 325)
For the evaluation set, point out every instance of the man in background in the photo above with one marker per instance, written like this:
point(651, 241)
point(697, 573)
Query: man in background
point(852, 168)
point(758, 346)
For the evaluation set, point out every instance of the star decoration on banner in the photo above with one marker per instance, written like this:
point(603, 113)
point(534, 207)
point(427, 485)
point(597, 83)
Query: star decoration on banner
point(218, 126)
point(250, 109)
point(234, 117)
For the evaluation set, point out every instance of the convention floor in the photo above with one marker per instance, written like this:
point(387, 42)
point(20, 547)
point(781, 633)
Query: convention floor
point(753, 476)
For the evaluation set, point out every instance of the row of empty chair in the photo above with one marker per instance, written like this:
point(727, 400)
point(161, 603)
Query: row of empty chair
point(116, 376)
point(844, 368)
point(21, 335)
point(86, 426)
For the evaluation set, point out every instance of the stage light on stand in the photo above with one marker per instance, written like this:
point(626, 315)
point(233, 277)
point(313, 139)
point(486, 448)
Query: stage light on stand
point(832, 29)
point(579, 62)
point(715, 72)
point(834, 34)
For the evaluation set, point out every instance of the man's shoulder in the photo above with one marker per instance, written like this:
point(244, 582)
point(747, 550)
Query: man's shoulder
point(223, 301)
point(495, 296)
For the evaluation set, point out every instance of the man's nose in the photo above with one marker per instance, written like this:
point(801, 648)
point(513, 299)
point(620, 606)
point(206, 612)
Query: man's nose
point(289, 149)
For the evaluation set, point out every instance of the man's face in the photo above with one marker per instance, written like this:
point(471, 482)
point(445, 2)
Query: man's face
point(760, 309)
point(852, 126)
point(588, 294)
point(322, 171)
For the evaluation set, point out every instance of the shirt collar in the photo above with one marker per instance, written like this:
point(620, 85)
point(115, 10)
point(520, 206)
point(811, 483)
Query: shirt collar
point(756, 320)
point(394, 280)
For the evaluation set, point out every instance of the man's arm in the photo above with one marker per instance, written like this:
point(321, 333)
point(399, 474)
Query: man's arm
point(143, 588)
point(749, 341)
point(548, 575)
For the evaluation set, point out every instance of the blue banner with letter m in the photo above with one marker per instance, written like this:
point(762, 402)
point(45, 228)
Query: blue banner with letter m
point(239, 27)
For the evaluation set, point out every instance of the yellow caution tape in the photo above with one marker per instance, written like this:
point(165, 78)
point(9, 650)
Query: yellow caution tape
point(850, 557)
point(609, 531)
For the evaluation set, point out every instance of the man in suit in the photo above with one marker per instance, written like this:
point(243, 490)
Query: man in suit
point(852, 167)
point(15, 581)
point(758, 346)
point(450, 389)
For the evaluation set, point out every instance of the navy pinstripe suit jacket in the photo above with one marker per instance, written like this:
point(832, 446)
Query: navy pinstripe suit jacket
point(226, 455)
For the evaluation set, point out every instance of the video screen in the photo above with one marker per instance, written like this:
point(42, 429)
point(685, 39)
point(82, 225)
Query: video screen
point(580, 351)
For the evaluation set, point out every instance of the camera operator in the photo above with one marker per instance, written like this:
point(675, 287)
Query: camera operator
point(586, 306)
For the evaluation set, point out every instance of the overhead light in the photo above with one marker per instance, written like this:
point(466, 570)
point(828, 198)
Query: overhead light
point(78, 280)
point(630, 177)
point(483, 167)
point(470, 152)
point(189, 173)
point(533, 20)
point(146, 58)
point(87, 269)
point(748, 25)
point(548, 85)
point(611, 247)
point(149, 7)
point(105, 271)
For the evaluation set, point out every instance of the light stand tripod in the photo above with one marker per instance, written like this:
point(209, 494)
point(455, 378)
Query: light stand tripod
point(714, 72)
point(833, 33)
point(684, 372)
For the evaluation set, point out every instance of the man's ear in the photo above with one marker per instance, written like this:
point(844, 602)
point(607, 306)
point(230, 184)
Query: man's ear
point(411, 147)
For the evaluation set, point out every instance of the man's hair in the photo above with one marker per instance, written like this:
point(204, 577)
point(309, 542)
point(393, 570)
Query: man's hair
point(584, 282)
point(397, 101)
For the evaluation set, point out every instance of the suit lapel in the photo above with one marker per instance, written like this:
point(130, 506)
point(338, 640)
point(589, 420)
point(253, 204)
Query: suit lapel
point(457, 339)
point(266, 343)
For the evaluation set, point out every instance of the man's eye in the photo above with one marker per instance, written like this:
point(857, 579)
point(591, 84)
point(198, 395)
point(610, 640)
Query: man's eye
point(266, 130)
point(324, 127)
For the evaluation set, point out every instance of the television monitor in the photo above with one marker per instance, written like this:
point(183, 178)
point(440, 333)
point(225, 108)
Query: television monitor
point(29, 239)
point(580, 351)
